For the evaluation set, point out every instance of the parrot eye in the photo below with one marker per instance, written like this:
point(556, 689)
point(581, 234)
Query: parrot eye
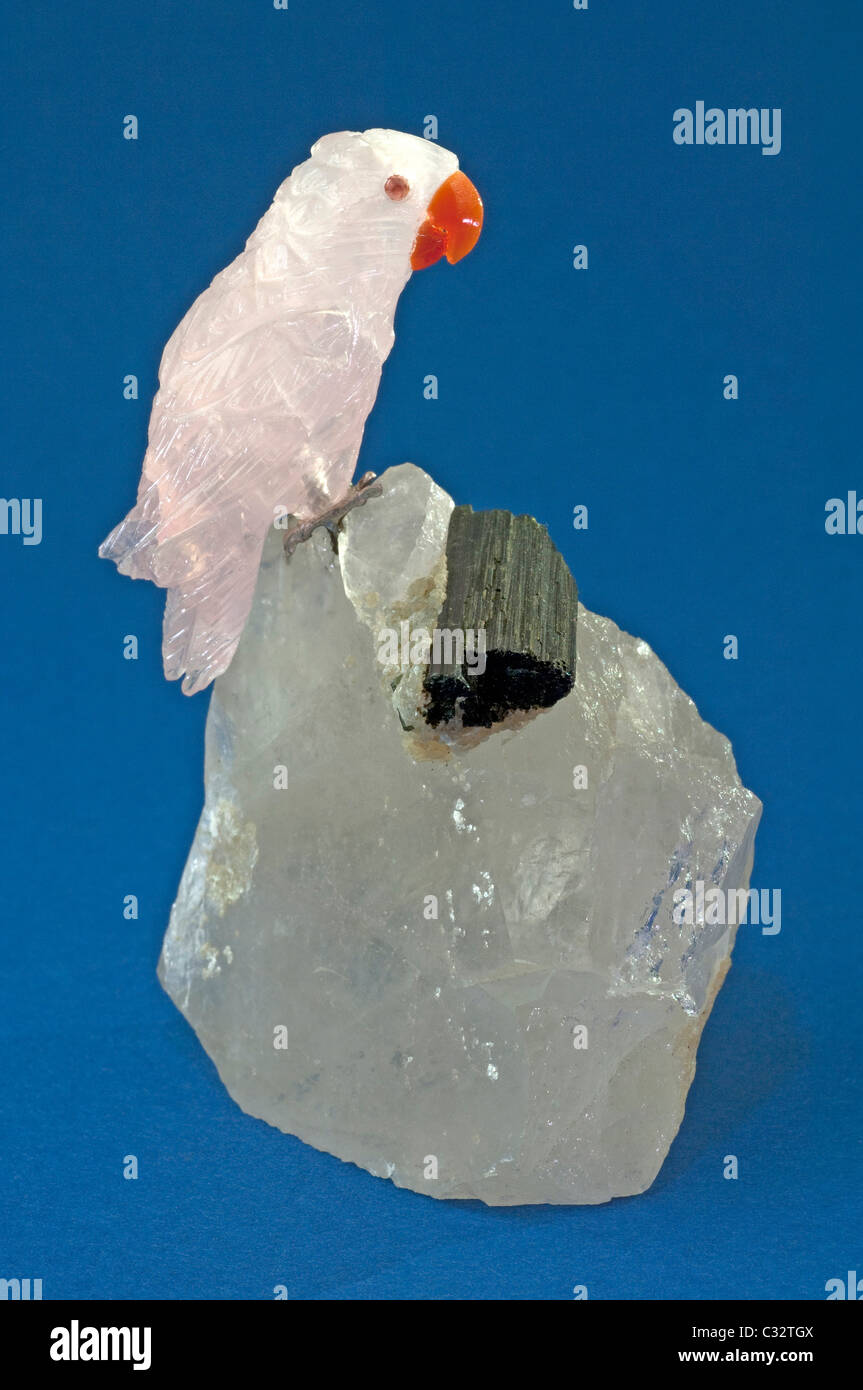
point(397, 188)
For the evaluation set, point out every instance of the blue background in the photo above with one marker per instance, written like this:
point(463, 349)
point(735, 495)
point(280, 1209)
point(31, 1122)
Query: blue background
point(557, 387)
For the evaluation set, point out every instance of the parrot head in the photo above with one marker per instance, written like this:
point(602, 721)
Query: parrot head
point(389, 199)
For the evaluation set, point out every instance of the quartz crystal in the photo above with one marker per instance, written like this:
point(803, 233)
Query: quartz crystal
point(442, 956)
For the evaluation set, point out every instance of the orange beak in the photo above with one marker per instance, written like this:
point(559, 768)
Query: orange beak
point(452, 223)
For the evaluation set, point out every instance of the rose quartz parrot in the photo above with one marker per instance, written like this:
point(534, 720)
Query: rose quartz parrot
point(265, 386)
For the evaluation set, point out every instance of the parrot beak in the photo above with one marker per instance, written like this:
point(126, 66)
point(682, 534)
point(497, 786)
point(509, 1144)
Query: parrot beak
point(452, 223)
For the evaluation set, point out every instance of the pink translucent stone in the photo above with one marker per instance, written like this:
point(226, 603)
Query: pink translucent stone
point(266, 384)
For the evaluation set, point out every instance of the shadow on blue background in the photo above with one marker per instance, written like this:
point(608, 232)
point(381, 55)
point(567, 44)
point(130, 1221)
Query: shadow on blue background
point(557, 387)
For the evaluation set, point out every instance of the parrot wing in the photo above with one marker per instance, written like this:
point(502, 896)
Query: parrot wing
point(260, 408)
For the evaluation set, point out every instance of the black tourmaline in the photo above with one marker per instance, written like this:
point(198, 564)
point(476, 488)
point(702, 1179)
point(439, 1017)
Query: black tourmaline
point(506, 576)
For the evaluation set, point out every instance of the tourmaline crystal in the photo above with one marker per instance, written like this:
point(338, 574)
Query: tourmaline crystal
point(470, 955)
point(507, 579)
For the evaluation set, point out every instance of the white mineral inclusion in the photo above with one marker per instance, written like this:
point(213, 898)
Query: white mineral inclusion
point(436, 935)
point(265, 386)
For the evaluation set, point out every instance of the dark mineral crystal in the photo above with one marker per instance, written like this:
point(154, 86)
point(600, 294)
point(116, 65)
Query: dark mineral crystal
point(506, 579)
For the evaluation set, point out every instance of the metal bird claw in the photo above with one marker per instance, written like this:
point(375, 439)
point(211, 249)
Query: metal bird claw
point(356, 496)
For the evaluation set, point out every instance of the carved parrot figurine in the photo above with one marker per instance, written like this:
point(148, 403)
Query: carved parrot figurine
point(265, 385)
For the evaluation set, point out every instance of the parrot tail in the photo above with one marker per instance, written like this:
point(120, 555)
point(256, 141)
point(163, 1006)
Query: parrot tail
point(133, 544)
point(204, 620)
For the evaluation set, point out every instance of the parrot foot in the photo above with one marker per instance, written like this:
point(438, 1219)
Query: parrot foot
point(356, 496)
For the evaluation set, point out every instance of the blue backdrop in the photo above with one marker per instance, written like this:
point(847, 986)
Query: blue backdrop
point(558, 386)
